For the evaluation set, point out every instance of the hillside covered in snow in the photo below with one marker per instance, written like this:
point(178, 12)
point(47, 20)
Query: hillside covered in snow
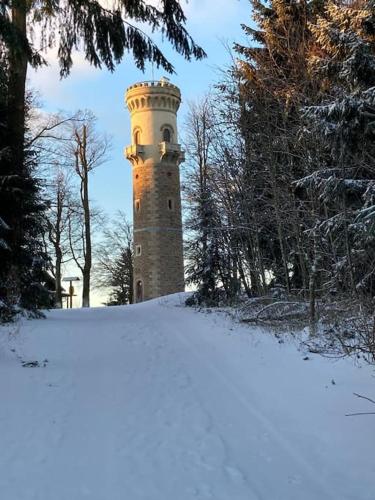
point(156, 401)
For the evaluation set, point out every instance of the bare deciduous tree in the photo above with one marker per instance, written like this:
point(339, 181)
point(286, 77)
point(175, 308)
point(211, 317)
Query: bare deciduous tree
point(85, 150)
point(113, 268)
point(57, 222)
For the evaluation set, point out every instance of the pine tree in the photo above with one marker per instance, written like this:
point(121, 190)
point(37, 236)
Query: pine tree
point(113, 263)
point(5, 251)
point(24, 263)
point(344, 61)
point(121, 279)
point(274, 84)
point(205, 247)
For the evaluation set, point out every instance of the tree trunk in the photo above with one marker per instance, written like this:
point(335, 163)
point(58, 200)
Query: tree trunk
point(279, 225)
point(17, 86)
point(260, 264)
point(243, 278)
point(58, 251)
point(16, 135)
point(131, 276)
point(348, 249)
point(253, 269)
point(301, 259)
point(312, 283)
point(86, 274)
point(58, 292)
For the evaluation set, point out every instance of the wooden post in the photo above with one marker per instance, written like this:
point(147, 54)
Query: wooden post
point(71, 293)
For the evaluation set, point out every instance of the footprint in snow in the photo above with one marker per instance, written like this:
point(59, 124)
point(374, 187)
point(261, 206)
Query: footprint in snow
point(35, 364)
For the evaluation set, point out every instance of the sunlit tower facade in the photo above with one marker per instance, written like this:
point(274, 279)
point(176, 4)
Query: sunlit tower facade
point(155, 156)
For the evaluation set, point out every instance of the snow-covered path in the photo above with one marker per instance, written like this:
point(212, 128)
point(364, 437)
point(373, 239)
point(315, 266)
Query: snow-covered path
point(158, 402)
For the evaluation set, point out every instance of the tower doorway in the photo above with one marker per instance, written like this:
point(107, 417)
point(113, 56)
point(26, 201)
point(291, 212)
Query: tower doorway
point(139, 291)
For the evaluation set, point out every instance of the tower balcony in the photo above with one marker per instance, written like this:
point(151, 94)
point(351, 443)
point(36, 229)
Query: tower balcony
point(134, 152)
point(171, 152)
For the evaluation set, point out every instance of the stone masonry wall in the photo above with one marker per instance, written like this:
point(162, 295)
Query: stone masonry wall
point(156, 191)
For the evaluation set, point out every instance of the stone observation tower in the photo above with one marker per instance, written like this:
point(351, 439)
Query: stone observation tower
point(155, 156)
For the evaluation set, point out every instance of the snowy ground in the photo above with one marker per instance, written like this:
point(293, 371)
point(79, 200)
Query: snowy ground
point(159, 402)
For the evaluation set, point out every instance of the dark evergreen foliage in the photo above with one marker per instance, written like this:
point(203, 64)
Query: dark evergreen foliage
point(274, 83)
point(345, 121)
point(121, 279)
point(204, 250)
point(113, 267)
point(211, 265)
point(23, 269)
point(293, 193)
point(105, 34)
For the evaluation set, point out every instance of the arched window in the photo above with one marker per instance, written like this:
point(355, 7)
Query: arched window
point(167, 135)
point(137, 137)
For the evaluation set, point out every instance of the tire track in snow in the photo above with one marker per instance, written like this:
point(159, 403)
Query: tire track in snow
point(209, 444)
point(209, 367)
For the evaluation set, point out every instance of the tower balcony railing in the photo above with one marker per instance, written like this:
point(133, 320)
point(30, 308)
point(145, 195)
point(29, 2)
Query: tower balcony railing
point(134, 152)
point(172, 152)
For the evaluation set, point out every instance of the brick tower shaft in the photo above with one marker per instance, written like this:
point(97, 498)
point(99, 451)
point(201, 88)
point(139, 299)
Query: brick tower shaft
point(155, 156)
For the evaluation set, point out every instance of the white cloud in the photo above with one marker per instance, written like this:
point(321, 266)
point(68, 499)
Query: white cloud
point(47, 81)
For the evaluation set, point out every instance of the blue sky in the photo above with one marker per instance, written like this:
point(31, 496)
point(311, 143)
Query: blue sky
point(212, 23)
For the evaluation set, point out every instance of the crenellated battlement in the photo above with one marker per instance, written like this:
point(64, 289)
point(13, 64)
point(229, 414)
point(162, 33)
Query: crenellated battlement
point(163, 82)
point(155, 95)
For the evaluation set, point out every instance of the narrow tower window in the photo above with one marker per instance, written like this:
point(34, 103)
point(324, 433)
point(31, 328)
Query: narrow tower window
point(137, 137)
point(138, 250)
point(166, 135)
point(170, 204)
point(137, 205)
